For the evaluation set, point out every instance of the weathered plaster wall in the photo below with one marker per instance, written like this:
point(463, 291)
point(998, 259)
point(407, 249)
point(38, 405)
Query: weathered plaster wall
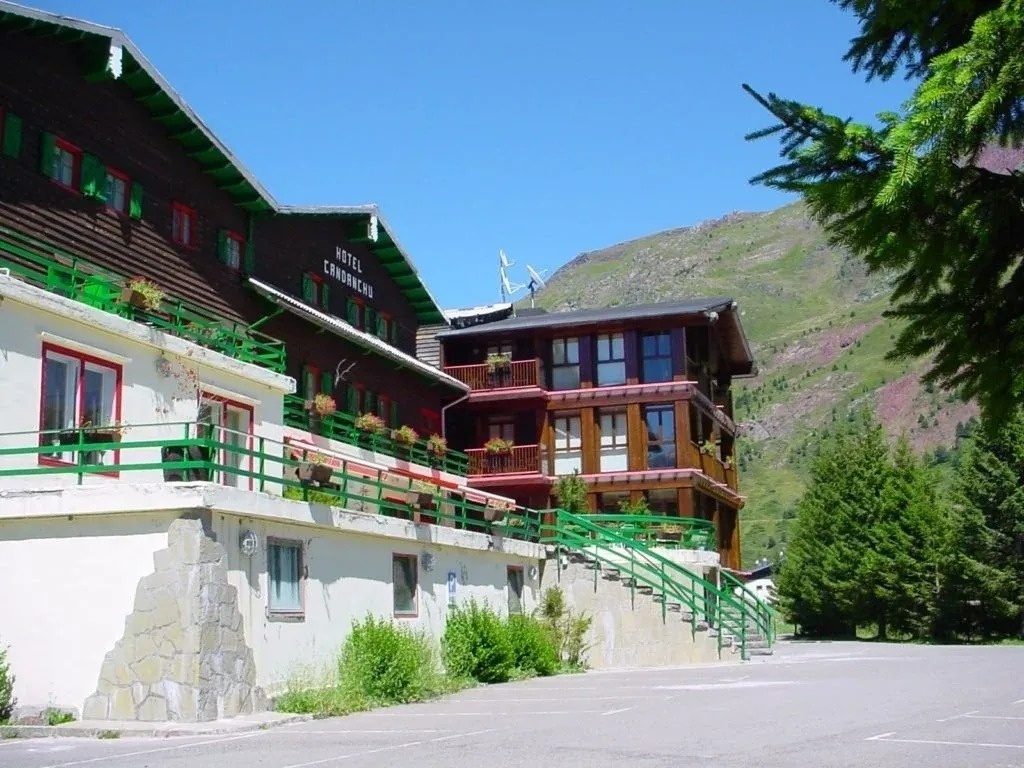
point(183, 655)
point(628, 629)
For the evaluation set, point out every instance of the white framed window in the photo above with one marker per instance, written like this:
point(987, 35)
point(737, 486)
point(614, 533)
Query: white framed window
point(614, 454)
point(67, 160)
point(230, 425)
point(285, 570)
point(116, 195)
point(568, 445)
point(78, 391)
point(611, 359)
point(565, 363)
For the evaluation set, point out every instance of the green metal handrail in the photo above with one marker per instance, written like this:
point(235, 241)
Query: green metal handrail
point(655, 530)
point(341, 426)
point(36, 262)
point(765, 613)
point(723, 610)
point(263, 461)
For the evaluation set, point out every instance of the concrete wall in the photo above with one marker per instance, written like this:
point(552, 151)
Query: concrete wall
point(93, 560)
point(628, 628)
point(155, 398)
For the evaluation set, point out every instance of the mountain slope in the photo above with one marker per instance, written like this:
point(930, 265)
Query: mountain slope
point(814, 319)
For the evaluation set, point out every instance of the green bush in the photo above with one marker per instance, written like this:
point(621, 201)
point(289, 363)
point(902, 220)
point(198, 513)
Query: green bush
point(568, 629)
point(533, 647)
point(476, 645)
point(383, 663)
point(7, 700)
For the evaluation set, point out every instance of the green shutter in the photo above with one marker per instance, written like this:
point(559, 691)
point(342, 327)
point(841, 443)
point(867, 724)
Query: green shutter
point(370, 319)
point(47, 154)
point(327, 383)
point(351, 399)
point(394, 333)
point(94, 178)
point(382, 327)
point(250, 258)
point(222, 246)
point(308, 289)
point(325, 296)
point(135, 201)
point(12, 135)
point(352, 312)
point(394, 414)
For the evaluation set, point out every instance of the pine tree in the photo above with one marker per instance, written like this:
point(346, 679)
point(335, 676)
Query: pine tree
point(928, 194)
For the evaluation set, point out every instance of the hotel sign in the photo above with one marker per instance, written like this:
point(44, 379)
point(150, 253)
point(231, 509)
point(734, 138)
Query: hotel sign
point(347, 269)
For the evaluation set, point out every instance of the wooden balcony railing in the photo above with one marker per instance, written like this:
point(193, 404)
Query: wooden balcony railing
point(521, 459)
point(520, 373)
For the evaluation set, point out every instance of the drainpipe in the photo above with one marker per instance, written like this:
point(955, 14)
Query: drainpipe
point(444, 423)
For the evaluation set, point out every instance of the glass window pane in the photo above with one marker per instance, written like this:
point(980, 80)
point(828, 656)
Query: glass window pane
point(285, 576)
point(98, 387)
point(404, 578)
point(515, 590)
point(611, 374)
point(618, 347)
point(572, 351)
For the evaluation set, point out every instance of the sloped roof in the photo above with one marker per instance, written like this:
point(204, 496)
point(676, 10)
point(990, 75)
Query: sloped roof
point(109, 53)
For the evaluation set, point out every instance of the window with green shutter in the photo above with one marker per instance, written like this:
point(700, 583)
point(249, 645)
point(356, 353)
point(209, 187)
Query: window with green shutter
point(47, 153)
point(94, 178)
point(354, 312)
point(308, 289)
point(394, 414)
point(370, 317)
point(327, 383)
point(135, 201)
point(11, 130)
point(325, 296)
point(351, 398)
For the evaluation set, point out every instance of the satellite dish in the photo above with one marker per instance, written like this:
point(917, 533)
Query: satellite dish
point(507, 288)
point(536, 281)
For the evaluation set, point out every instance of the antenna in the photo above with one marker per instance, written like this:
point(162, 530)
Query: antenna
point(536, 281)
point(507, 288)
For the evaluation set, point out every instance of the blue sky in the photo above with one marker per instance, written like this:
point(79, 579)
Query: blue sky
point(543, 128)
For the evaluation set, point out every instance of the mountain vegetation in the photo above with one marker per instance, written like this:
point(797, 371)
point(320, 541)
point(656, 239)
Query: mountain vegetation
point(814, 318)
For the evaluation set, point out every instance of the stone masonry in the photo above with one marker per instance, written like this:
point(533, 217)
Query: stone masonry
point(183, 656)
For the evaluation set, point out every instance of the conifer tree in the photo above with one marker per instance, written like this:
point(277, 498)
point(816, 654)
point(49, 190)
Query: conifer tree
point(932, 194)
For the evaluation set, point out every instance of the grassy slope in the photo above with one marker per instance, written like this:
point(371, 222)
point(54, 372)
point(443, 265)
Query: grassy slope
point(814, 318)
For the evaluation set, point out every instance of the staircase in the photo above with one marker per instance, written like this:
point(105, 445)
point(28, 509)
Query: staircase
point(741, 626)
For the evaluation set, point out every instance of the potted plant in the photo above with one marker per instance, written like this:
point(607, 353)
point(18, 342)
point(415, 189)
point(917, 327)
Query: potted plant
point(421, 494)
point(707, 447)
point(143, 294)
point(499, 367)
point(405, 435)
point(370, 424)
point(321, 405)
point(498, 451)
point(110, 433)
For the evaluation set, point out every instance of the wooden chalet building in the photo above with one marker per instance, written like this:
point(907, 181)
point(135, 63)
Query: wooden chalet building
point(106, 174)
point(636, 399)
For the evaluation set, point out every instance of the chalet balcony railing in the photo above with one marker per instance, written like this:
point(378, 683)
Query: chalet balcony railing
point(341, 426)
point(47, 267)
point(521, 459)
point(520, 373)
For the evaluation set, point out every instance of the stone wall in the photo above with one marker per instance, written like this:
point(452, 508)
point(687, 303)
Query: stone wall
point(183, 656)
point(628, 628)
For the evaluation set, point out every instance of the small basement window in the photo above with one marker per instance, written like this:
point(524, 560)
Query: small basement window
point(284, 573)
point(404, 574)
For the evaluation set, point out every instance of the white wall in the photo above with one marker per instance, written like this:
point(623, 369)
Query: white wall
point(30, 317)
point(69, 582)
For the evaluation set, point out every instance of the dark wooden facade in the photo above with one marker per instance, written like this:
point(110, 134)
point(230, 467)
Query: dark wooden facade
point(54, 88)
point(692, 390)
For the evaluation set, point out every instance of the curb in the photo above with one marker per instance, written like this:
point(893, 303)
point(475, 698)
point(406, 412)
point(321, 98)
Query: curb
point(117, 730)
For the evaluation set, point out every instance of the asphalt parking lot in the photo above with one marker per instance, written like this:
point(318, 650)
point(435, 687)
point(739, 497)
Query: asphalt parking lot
point(822, 705)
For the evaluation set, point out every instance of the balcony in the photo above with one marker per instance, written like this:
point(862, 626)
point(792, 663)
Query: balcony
point(520, 374)
point(191, 452)
point(341, 426)
point(520, 460)
point(47, 267)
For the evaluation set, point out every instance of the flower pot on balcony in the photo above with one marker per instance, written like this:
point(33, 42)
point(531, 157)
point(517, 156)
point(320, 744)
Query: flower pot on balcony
point(493, 514)
point(316, 473)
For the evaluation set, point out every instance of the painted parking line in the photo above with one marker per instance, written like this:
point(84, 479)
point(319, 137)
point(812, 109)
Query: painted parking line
point(1019, 701)
point(957, 717)
point(176, 748)
point(888, 738)
point(534, 700)
point(442, 714)
point(972, 716)
point(616, 711)
point(390, 748)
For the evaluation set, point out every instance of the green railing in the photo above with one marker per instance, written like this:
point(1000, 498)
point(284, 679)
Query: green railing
point(341, 426)
point(703, 600)
point(765, 613)
point(190, 452)
point(59, 272)
point(659, 530)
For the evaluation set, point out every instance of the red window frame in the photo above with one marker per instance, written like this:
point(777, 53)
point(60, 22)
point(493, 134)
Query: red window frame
point(177, 232)
point(431, 421)
point(76, 165)
point(415, 613)
point(127, 191)
point(250, 438)
point(237, 238)
point(79, 393)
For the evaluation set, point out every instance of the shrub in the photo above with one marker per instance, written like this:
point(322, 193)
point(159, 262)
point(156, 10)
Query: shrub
point(383, 663)
point(7, 700)
point(58, 717)
point(567, 628)
point(476, 645)
point(533, 647)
